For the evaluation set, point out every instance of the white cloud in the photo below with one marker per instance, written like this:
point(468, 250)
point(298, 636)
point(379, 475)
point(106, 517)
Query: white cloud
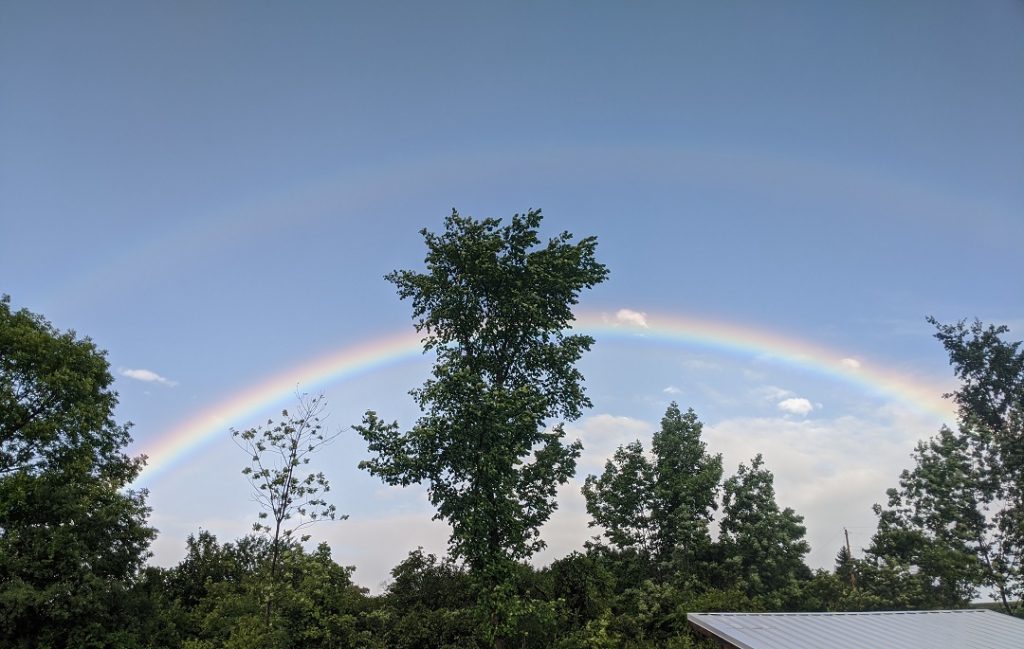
point(821, 468)
point(672, 390)
point(148, 376)
point(631, 318)
point(852, 363)
point(602, 434)
point(701, 364)
point(771, 393)
point(796, 406)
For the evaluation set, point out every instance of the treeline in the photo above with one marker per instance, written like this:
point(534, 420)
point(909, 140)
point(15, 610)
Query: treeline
point(494, 305)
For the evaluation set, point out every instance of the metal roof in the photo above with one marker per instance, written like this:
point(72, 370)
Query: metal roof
point(962, 629)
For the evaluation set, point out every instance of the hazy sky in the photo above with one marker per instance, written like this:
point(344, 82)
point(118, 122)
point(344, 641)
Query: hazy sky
point(214, 191)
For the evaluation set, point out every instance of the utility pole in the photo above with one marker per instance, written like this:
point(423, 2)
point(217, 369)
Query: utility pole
point(849, 553)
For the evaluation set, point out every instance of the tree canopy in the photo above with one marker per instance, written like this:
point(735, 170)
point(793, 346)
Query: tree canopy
point(494, 305)
point(955, 524)
point(72, 536)
point(660, 508)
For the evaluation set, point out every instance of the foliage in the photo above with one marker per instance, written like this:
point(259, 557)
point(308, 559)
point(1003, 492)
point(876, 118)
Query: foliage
point(214, 597)
point(953, 526)
point(494, 305)
point(429, 604)
point(72, 537)
point(762, 546)
point(933, 529)
point(584, 585)
point(660, 509)
point(55, 397)
point(279, 452)
point(991, 394)
point(621, 500)
point(685, 489)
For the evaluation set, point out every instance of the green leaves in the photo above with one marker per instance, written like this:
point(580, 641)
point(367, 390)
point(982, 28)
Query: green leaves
point(289, 500)
point(685, 489)
point(953, 526)
point(55, 396)
point(660, 508)
point(763, 546)
point(622, 500)
point(495, 305)
point(73, 538)
point(277, 452)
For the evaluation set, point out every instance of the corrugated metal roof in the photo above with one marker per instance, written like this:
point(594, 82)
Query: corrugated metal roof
point(962, 629)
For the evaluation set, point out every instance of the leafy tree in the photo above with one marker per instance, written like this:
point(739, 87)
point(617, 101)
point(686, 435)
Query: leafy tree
point(991, 405)
point(685, 489)
point(279, 452)
point(622, 500)
point(933, 529)
point(954, 525)
point(762, 546)
point(213, 598)
point(991, 394)
point(660, 509)
point(583, 584)
point(494, 305)
point(73, 538)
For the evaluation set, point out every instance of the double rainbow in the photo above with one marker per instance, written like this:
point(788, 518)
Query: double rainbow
point(182, 440)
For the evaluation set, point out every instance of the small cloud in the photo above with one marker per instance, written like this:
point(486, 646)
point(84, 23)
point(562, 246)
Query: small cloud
point(771, 393)
point(672, 390)
point(796, 406)
point(851, 363)
point(149, 376)
point(630, 317)
point(700, 364)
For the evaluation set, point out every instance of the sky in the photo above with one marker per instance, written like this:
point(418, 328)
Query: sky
point(213, 193)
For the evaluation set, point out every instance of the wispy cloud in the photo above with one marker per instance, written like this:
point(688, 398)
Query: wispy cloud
point(631, 318)
point(852, 363)
point(672, 390)
point(602, 434)
point(796, 406)
point(148, 376)
point(771, 393)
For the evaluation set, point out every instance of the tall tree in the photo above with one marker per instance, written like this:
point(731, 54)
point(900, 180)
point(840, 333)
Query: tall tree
point(291, 498)
point(495, 306)
point(991, 393)
point(933, 534)
point(686, 479)
point(957, 519)
point(72, 536)
point(662, 508)
point(763, 546)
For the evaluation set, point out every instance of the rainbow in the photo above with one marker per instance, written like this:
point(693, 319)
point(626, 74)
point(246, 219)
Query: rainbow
point(184, 439)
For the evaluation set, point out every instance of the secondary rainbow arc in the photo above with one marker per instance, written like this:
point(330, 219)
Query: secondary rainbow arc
point(185, 438)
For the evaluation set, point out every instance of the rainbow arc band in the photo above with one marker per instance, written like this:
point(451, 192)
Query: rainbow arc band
point(185, 438)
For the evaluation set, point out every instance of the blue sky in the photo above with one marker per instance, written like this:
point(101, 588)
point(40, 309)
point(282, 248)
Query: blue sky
point(213, 192)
